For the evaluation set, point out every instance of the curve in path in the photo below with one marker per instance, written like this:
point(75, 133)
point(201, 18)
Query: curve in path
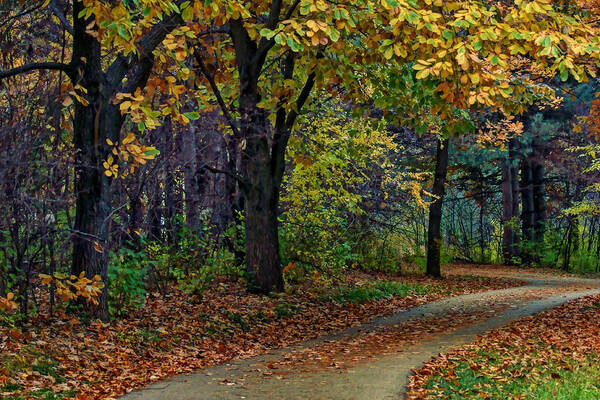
point(383, 377)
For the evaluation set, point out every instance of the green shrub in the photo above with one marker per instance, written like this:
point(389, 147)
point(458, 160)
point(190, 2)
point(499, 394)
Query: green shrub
point(195, 259)
point(127, 272)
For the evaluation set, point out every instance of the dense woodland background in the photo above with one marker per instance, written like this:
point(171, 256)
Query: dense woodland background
point(154, 146)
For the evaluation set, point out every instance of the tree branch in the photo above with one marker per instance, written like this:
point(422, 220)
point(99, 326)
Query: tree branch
point(61, 16)
point(50, 66)
point(19, 15)
point(302, 98)
point(285, 124)
point(274, 13)
point(266, 44)
point(243, 182)
point(146, 45)
point(217, 92)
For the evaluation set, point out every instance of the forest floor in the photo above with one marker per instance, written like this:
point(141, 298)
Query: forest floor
point(312, 342)
point(375, 360)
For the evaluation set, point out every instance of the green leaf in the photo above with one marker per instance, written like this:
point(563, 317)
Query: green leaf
point(193, 115)
point(153, 152)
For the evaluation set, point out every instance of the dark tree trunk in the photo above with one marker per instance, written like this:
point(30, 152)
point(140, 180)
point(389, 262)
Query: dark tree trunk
point(507, 213)
point(190, 180)
point(263, 263)
point(527, 210)
point(173, 198)
point(101, 119)
point(136, 214)
point(93, 195)
point(514, 181)
point(155, 213)
point(434, 237)
point(539, 196)
point(262, 149)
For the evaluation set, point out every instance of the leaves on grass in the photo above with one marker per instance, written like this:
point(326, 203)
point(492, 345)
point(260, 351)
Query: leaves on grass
point(176, 334)
point(506, 363)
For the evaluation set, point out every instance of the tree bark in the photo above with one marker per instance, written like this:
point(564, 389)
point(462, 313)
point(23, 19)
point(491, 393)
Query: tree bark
point(507, 212)
point(263, 263)
point(514, 171)
point(190, 180)
point(538, 193)
point(93, 195)
point(101, 119)
point(434, 237)
point(527, 210)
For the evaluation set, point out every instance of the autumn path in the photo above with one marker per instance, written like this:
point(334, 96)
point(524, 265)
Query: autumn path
point(372, 361)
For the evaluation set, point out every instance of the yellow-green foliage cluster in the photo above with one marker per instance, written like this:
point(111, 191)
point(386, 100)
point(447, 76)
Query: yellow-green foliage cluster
point(589, 206)
point(335, 161)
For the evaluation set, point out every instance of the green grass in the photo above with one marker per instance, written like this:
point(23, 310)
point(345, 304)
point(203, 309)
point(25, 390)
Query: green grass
point(28, 359)
point(484, 376)
point(41, 394)
point(580, 384)
point(378, 290)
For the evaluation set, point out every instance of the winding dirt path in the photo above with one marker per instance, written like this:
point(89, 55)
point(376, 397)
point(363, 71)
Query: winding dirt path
point(372, 361)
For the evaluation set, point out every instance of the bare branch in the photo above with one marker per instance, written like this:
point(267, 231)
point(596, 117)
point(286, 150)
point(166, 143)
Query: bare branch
point(61, 16)
point(50, 66)
point(243, 182)
point(19, 15)
point(217, 92)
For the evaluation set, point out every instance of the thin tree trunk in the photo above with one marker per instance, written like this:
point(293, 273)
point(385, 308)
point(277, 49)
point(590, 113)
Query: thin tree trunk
point(539, 196)
point(514, 181)
point(190, 181)
point(527, 213)
point(435, 210)
point(507, 213)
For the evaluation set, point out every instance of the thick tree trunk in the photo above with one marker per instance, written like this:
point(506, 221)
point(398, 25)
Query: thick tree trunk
point(101, 119)
point(156, 212)
point(263, 263)
point(93, 195)
point(262, 146)
point(173, 196)
point(434, 237)
point(136, 214)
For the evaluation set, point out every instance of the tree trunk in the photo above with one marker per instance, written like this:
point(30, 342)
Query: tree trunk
point(263, 264)
point(507, 212)
point(93, 195)
point(190, 181)
point(538, 193)
point(435, 210)
point(514, 181)
point(527, 210)
point(101, 119)
point(155, 213)
point(173, 198)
